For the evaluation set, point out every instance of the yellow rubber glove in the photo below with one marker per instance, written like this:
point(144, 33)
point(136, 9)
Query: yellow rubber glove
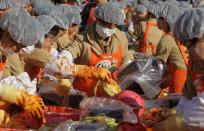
point(32, 105)
point(92, 72)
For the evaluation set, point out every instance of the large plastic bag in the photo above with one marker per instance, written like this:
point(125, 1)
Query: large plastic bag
point(144, 71)
point(95, 104)
point(21, 81)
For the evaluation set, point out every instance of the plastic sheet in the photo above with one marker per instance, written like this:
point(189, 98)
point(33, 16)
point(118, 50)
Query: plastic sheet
point(144, 71)
point(94, 104)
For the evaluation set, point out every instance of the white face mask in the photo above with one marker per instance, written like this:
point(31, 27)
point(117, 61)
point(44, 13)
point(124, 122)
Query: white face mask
point(103, 31)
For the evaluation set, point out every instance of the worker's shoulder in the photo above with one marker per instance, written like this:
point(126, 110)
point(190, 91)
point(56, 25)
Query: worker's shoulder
point(120, 35)
point(167, 39)
point(80, 37)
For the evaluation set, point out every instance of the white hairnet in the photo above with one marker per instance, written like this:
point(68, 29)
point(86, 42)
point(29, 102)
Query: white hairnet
point(11, 13)
point(5, 4)
point(184, 5)
point(170, 12)
point(39, 2)
point(45, 9)
point(24, 3)
point(64, 8)
point(47, 22)
point(190, 25)
point(25, 30)
point(109, 13)
point(61, 20)
point(140, 8)
point(74, 18)
point(76, 9)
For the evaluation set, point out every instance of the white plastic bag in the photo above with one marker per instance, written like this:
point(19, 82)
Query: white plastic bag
point(145, 71)
point(22, 82)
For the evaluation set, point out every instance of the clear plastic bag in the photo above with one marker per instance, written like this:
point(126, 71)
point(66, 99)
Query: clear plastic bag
point(96, 104)
point(144, 71)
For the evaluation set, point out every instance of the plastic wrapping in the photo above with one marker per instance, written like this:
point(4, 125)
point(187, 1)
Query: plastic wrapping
point(22, 82)
point(144, 71)
point(92, 105)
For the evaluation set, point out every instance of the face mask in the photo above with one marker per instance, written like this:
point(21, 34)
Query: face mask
point(103, 31)
point(7, 51)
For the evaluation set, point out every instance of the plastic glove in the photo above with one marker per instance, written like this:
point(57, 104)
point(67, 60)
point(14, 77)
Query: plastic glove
point(92, 72)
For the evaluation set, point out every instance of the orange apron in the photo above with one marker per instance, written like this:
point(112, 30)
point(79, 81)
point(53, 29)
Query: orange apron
point(196, 76)
point(101, 61)
point(178, 75)
point(1, 66)
point(143, 47)
point(91, 17)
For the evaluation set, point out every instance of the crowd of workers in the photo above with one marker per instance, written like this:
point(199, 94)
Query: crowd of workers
point(90, 40)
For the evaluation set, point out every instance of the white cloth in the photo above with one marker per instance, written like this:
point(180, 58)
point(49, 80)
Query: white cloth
point(22, 82)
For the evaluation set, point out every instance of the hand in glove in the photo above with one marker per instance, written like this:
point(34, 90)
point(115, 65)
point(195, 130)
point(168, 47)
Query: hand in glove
point(32, 105)
point(92, 72)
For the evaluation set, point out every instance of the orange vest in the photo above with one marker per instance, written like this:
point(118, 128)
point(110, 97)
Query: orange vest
point(91, 17)
point(143, 47)
point(105, 60)
point(196, 76)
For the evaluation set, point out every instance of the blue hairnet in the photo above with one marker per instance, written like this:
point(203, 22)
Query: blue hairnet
point(5, 4)
point(190, 25)
point(109, 13)
point(47, 22)
point(74, 18)
point(61, 20)
point(25, 30)
point(11, 13)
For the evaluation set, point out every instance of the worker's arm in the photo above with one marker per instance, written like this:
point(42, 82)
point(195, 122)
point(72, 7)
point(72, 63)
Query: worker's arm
point(75, 48)
point(38, 57)
point(163, 50)
point(12, 66)
point(61, 67)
